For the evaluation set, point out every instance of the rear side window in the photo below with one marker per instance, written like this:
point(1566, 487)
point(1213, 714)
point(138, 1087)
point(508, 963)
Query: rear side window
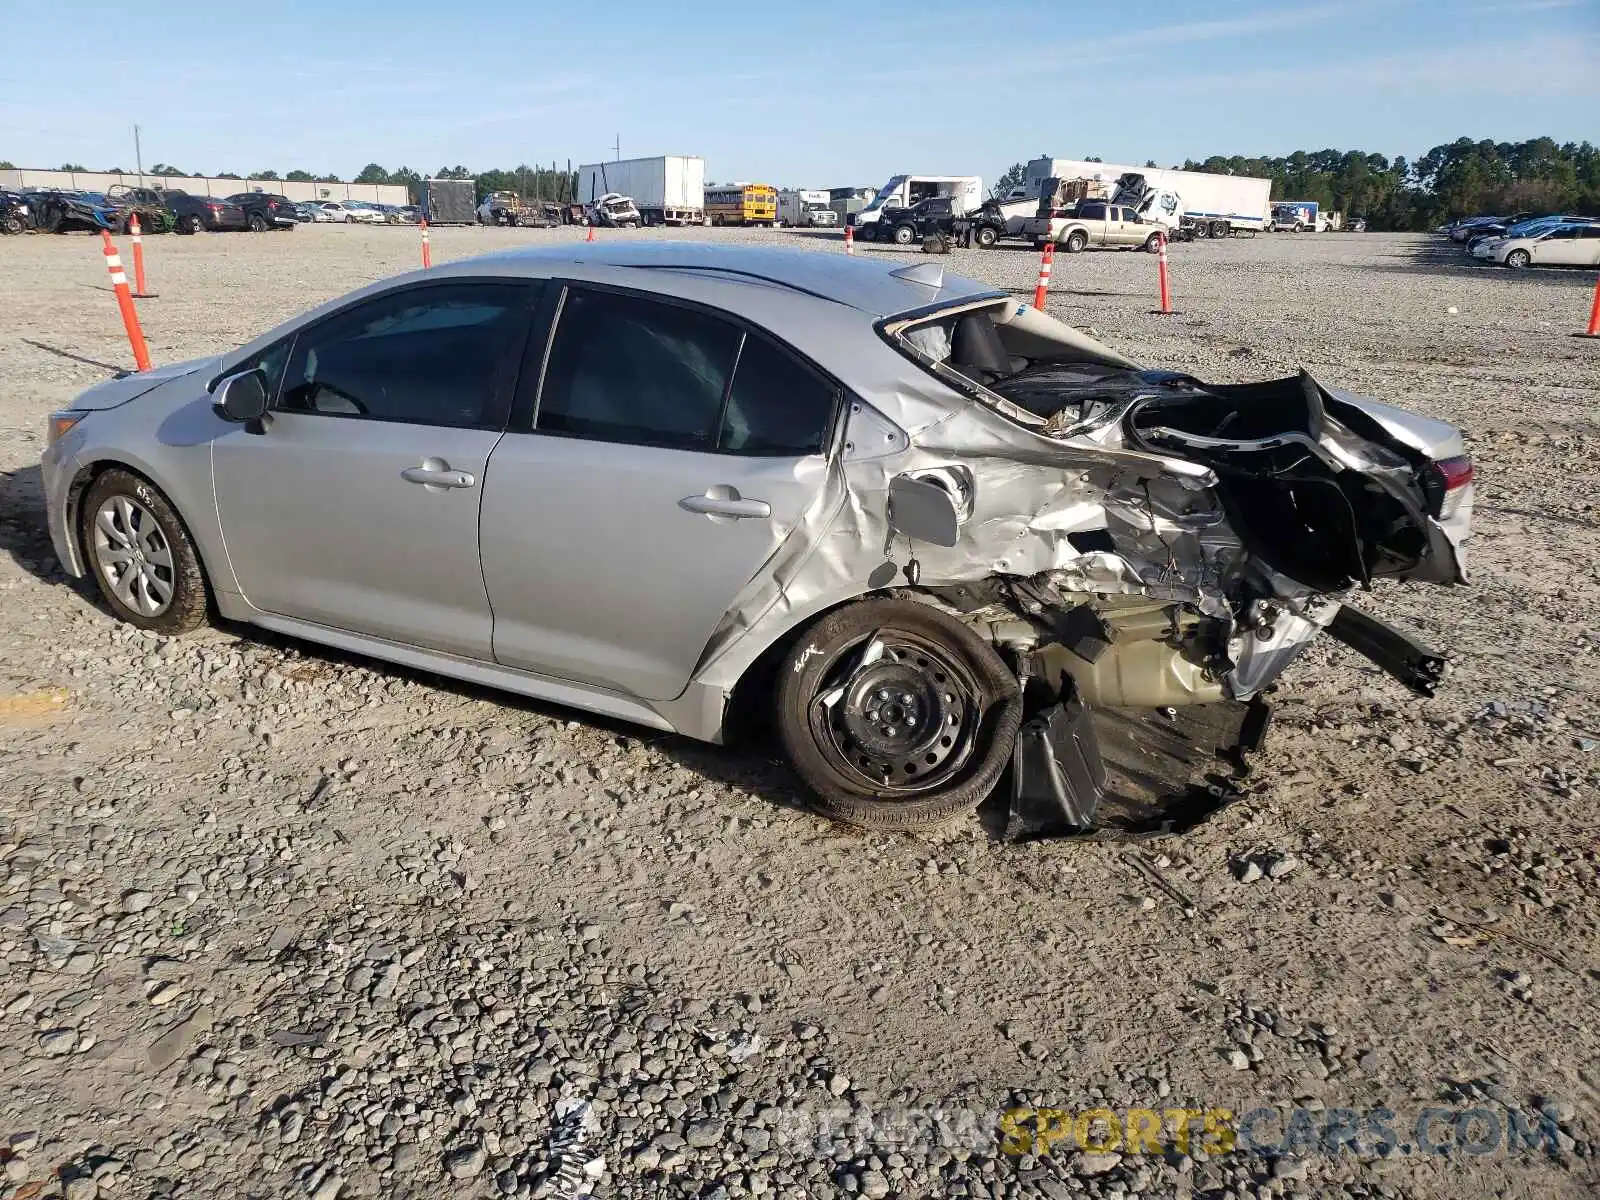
point(778, 407)
point(625, 369)
point(1093, 212)
point(642, 372)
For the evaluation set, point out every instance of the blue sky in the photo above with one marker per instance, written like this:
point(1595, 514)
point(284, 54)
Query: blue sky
point(815, 93)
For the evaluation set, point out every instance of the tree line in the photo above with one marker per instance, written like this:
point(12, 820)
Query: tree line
point(1457, 179)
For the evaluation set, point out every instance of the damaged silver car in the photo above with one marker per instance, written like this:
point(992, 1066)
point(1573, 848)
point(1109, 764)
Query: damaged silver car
point(935, 537)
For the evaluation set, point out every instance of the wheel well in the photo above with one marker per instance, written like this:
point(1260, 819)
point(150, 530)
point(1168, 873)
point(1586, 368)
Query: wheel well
point(84, 480)
point(747, 717)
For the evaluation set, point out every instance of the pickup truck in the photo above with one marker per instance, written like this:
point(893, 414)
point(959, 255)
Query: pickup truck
point(1094, 223)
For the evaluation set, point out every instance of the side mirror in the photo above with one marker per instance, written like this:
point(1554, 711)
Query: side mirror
point(922, 511)
point(243, 397)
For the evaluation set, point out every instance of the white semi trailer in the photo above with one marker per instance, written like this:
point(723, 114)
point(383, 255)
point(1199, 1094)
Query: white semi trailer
point(669, 189)
point(1198, 202)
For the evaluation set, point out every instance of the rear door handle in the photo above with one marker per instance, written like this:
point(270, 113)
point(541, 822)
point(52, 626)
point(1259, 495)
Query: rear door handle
point(436, 475)
point(723, 503)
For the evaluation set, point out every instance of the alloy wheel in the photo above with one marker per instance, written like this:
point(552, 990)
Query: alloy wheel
point(134, 556)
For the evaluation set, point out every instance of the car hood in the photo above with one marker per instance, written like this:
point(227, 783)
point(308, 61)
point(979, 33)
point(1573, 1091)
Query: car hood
point(127, 386)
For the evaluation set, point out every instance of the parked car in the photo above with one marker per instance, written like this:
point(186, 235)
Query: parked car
point(614, 210)
point(1522, 229)
point(319, 211)
point(265, 210)
point(902, 514)
point(16, 216)
point(301, 212)
point(351, 213)
point(190, 214)
point(59, 211)
point(1564, 244)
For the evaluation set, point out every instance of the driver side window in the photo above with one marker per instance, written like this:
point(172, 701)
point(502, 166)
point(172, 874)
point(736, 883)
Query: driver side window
point(429, 355)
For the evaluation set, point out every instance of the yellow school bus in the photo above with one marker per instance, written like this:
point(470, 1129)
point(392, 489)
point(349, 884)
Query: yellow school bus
point(742, 204)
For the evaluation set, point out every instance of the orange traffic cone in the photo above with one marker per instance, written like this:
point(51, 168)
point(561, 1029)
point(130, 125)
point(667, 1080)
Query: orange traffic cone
point(1594, 315)
point(589, 237)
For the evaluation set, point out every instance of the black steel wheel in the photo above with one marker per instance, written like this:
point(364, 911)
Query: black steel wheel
point(896, 714)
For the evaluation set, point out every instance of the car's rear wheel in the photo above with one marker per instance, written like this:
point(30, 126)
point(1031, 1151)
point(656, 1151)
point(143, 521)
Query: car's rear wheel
point(141, 555)
point(191, 224)
point(985, 237)
point(258, 223)
point(1076, 241)
point(1221, 229)
point(1518, 259)
point(896, 714)
point(904, 235)
point(1153, 243)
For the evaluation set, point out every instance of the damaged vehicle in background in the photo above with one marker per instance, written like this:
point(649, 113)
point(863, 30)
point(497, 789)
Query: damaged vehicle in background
point(936, 537)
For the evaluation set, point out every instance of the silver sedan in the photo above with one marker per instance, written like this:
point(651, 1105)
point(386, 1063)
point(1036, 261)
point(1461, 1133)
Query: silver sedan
point(925, 530)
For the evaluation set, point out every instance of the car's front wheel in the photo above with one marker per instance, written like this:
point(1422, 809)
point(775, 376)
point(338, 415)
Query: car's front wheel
point(141, 555)
point(896, 714)
point(1518, 259)
point(904, 235)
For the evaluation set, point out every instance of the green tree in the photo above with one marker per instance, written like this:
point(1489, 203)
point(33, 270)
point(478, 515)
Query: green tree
point(300, 177)
point(7, 165)
point(329, 179)
point(225, 175)
point(72, 167)
point(263, 175)
point(1012, 177)
point(372, 173)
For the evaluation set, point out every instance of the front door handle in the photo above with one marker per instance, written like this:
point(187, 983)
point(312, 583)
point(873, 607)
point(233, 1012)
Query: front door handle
point(722, 503)
point(436, 475)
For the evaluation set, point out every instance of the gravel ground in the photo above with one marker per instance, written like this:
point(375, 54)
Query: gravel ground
point(275, 921)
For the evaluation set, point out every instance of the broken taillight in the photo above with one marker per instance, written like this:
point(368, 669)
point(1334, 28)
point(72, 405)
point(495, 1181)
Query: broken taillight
point(1456, 476)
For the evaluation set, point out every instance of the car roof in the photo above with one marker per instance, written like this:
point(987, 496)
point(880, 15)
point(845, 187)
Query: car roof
point(868, 285)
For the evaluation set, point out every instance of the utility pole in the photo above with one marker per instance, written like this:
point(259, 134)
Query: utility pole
point(138, 155)
point(618, 147)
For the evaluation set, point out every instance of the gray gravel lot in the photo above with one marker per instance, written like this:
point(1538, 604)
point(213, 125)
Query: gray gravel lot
point(276, 921)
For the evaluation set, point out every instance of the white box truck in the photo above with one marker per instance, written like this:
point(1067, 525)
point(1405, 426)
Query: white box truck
point(1195, 202)
point(903, 191)
point(805, 209)
point(669, 189)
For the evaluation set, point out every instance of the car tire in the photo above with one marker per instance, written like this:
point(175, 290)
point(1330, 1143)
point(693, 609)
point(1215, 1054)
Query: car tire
point(1076, 241)
point(193, 223)
point(904, 235)
point(1221, 229)
point(985, 236)
point(934, 674)
point(258, 223)
point(1518, 259)
point(1153, 243)
point(165, 590)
